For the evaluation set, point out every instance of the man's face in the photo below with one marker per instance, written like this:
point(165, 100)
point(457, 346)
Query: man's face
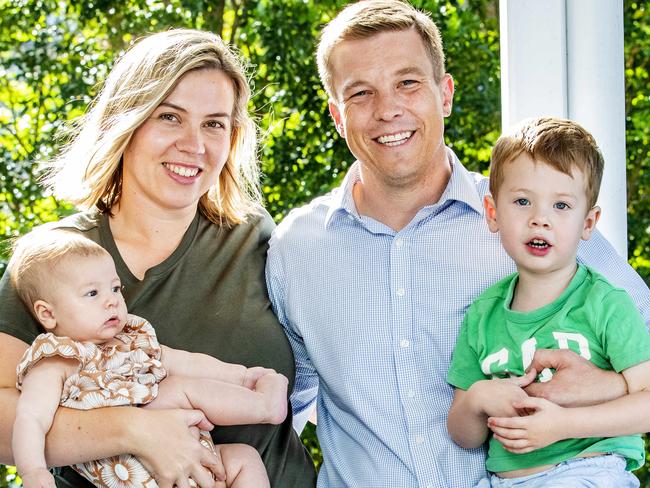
point(389, 108)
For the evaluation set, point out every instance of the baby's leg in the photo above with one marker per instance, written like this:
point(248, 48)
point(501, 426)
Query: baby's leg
point(226, 403)
point(244, 467)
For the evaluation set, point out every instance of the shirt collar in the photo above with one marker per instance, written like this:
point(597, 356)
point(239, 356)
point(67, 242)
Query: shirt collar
point(461, 187)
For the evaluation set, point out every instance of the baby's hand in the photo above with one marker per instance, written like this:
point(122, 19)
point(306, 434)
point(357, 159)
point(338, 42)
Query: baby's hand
point(253, 374)
point(38, 478)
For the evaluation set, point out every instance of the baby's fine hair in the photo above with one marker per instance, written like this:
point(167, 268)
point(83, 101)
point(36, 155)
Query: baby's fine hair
point(37, 255)
point(560, 143)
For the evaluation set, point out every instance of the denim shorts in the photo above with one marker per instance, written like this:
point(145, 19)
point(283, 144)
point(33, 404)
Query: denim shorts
point(606, 471)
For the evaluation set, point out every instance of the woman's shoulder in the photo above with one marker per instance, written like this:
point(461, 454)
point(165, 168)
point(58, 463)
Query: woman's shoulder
point(81, 221)
point(258, 222)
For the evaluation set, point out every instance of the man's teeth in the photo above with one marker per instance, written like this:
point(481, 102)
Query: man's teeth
point(395, 139)
point(538, 243)
point(182, 170)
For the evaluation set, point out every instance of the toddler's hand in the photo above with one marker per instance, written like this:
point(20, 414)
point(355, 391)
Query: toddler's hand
point(38, 478)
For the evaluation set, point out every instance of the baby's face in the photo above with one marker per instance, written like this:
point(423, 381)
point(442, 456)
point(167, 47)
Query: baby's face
point(87, 301)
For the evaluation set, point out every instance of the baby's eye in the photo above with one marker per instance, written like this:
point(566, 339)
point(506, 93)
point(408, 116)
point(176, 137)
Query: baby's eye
point(117, 289)
point(91, 293)
point(522, 202)
point(561, 205)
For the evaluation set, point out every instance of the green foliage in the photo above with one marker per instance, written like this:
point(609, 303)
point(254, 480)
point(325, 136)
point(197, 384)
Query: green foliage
point(53, 53)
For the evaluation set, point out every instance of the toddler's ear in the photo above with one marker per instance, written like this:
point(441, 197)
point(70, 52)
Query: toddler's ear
point(590, 222)
point(490, 213)
point(45, 314)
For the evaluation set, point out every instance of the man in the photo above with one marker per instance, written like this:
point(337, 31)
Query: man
point(372, 281)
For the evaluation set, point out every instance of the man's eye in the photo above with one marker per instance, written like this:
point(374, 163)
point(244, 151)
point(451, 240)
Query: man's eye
point(561, 205)
point(409, 82)
point(522, 202)
point(360, 93)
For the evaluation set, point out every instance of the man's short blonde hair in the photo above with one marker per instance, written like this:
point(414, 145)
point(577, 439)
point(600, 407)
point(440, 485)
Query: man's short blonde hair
point(367, 18)
point(560, 143)
point(37, 256)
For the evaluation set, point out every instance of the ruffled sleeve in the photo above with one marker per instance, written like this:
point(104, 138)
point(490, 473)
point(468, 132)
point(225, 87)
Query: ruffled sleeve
point(46, 346)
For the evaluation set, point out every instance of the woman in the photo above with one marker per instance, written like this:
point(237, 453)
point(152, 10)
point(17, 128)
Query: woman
point(164, 164)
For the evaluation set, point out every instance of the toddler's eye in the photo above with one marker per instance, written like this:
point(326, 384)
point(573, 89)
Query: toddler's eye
point(522, 202)
point(561, 206)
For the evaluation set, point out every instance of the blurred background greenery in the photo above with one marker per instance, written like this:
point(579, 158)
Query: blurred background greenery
point(54, 52)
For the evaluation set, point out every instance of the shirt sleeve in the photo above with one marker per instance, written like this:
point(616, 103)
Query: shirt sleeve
point(626, 340)
point(465, 369)
point(599, 254)
point(305, 387)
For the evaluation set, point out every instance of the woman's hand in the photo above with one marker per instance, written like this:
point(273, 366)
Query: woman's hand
point(253, 374)
point(38, 478)
point(167, 443)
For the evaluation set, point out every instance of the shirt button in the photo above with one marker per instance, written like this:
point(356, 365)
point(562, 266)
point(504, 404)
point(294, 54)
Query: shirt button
point(400, 292)
point(410, 393)
point(419, 440)
point(404, 343)
point(398, 242)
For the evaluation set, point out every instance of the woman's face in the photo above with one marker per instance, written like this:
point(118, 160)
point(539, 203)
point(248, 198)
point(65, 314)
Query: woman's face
point(179, 151)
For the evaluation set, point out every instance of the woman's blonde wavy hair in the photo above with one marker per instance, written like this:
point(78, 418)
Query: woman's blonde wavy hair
point(88, 171)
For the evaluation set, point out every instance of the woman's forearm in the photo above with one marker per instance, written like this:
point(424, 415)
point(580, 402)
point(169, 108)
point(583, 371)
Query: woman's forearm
point(76, 435)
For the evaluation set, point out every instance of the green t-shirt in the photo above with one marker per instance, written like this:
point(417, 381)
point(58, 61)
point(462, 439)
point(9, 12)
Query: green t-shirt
point(208, 296)
point(591, 317)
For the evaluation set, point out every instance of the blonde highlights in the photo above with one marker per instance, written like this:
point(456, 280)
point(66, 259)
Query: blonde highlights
point(88, 171)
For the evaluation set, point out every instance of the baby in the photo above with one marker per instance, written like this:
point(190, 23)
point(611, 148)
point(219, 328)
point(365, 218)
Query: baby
point(94, 354)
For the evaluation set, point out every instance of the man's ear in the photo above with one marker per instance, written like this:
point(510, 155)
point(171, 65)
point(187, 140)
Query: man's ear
point(590, 222)
point(336, 115)
point(45, 314)
point(490, 213)
point(447, 94)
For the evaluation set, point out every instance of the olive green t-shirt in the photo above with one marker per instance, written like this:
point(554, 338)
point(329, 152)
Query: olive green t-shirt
point(208, 296)
point(591, 317)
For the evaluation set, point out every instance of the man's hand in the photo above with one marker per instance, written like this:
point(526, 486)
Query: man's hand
point(542, 427)
point(576, 381)
point(254, 374)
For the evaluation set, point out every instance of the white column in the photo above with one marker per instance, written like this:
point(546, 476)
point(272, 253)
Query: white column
point(565, 58)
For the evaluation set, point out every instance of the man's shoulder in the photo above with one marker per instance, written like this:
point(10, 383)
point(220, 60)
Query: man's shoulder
point(305, 220)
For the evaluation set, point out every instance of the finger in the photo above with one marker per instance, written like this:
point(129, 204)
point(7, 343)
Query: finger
point(182, 482)
point(196, 417)
point(203, 477)
point(511, 434)
point(507, 422)
point(510, 444)
point(552, 358)
point(529, 403)
point(211, 459)
point(526, 379)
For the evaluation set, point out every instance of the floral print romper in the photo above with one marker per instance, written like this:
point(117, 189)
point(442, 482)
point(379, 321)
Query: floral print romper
point(126, 372)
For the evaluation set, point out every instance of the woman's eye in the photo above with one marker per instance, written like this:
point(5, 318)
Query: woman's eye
point(214, 124)
point(168, 117)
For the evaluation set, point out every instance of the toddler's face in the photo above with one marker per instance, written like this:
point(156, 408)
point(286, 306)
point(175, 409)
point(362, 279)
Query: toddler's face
point(541, 214)
point(87, 302)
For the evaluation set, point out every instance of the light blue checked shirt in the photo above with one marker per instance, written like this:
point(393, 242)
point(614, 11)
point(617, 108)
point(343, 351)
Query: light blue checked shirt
point(372, 316)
